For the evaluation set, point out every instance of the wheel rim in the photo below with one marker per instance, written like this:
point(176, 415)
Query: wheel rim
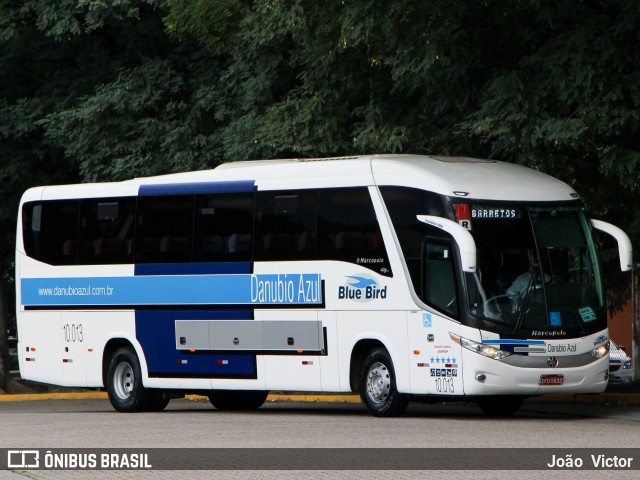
point(123, 380)
point(378, 383)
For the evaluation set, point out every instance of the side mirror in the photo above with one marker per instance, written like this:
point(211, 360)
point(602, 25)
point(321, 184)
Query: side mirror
point(625, 249)
point(461, 235)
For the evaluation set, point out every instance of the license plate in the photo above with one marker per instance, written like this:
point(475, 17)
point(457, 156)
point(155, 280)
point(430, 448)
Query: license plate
point(551, 379)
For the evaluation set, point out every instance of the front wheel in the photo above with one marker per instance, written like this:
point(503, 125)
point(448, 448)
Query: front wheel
point(124, 383)
point(238, 399)
point(378, 386)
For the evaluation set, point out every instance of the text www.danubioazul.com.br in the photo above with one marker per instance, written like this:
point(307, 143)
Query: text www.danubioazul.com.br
point(73, 291)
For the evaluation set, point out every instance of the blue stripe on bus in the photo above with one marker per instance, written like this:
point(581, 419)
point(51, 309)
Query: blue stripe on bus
point(214, 268)
point(510, 344)
point(504, 341)
point(155, 330)
point(194, 188)
point(162, 290)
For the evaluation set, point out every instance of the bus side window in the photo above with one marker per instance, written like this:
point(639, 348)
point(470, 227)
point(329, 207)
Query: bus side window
point(106, 231)
point(50, 231)
point(224, 225)
point(439, 277)
point(348, 229)
point(285, 225)
point(32, 228)
point(402, 204)
point(165, 229)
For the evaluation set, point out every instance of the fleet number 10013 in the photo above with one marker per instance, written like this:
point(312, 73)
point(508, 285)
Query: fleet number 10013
point(444, 385)
point(72, 333)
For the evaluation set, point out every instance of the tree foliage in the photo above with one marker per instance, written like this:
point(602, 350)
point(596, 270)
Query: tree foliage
point(52, 55)
point(570, 106)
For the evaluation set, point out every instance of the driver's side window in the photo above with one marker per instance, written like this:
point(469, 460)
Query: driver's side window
point(439, 278)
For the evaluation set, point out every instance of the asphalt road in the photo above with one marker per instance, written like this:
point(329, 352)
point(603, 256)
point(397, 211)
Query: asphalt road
point(190, 423)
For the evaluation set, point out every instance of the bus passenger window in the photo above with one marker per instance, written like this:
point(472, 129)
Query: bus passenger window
point(106, 231)
point(348, 229)
point(224, 225)
point(31, 228)
point(165, 229)
point(285, 225)
point(50, 231)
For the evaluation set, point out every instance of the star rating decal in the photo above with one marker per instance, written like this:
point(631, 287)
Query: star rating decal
point(443, 360)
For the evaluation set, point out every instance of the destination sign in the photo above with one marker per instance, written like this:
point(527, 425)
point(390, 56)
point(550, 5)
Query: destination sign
point(482, 213)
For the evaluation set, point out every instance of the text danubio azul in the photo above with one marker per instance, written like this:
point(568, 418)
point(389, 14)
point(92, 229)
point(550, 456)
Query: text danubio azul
point(284, 288)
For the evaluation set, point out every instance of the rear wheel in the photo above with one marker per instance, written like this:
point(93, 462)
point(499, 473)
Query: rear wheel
point(500, 406)
point(238, 399)
point(378, 385)
point(124, 383)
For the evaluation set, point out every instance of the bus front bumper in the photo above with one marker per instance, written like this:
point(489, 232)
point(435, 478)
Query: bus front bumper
point(485, 376)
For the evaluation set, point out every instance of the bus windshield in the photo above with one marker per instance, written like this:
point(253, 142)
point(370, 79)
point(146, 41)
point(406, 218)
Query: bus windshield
point(538, 268)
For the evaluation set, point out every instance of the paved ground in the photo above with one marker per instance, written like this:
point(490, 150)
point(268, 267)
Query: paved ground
point(189, 423)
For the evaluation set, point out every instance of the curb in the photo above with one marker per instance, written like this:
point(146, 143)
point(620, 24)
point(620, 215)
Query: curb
point(602, 398)
point(318, 398)
point(274, 397)
point(27, 397)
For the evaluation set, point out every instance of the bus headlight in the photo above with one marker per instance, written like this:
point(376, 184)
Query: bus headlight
point(601, 351)
point(482, 349)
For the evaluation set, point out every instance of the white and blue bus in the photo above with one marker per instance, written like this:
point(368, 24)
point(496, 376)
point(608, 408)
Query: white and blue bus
point(399, 277)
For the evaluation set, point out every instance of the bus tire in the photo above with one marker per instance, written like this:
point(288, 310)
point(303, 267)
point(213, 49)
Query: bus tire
point(378, 385)
point(500, 406)
point(238, 399)
point(124, 383)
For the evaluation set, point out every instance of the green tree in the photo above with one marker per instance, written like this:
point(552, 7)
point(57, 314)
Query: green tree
point(569, 105)
point(551, 85)
point(147, 121)
point(308, 78)
point(51, 55)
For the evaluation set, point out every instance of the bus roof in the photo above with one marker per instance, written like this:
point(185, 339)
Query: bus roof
point(452, 176)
